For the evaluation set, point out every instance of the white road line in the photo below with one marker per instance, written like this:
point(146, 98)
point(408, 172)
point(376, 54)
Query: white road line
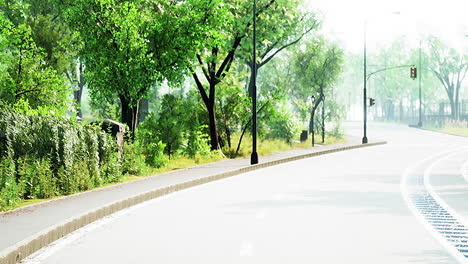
point(452, 250)
point(405, 192)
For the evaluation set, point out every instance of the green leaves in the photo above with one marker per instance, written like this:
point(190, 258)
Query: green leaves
point(27, 82)
point(43, 156)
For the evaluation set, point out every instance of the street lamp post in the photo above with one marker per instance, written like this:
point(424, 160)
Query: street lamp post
point(254, 156)
point(420, 94)
point(364, 138)
point(323, 119)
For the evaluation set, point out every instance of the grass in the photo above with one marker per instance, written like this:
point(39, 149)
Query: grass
point(269, 146)
point(453, 127)
point(265, 147)
point(452, 130)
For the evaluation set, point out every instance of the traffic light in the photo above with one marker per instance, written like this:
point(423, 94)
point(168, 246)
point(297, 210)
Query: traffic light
point(371, 101)
point(414, 73)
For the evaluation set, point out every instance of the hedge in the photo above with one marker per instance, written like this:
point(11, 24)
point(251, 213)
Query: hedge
point(44, 156)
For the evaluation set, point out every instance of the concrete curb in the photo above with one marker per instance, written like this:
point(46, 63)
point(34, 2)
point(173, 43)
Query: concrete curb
point(21, 250)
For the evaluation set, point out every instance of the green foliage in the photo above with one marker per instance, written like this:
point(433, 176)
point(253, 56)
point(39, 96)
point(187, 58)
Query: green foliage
point(282, 126)
point(172, 122)
point(233, 106)
point(27, 82)
point(10, 189)
point(44, 156)
point(316, 69)
point(281, 24)
point(197, 142)
point(148, 136)
point(133, 159)
point(174, 129)
point(450, 66)
point(130, 46)
point(37, 178)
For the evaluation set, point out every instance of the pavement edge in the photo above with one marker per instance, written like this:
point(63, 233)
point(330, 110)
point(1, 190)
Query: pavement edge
point(28, 246)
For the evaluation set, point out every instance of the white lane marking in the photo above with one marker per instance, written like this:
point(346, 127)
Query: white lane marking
point(452, 250)
point(246, 249)
point(405, 193)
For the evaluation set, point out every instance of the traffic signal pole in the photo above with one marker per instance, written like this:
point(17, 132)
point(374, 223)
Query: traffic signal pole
point(364, 138)
point(420, 94)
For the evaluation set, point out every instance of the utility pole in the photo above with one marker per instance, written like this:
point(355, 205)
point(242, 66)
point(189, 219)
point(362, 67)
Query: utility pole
point(254, 156)
point(323, 119)
point(364, 139)
point(420, 93)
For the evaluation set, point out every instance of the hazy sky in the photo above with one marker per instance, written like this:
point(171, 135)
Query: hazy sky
point(344, 19)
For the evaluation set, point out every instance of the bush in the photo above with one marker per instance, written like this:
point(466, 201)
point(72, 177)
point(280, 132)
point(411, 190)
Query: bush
point(147, 135)
point(133, 160)
point(10, 190)
point(197, 142)
point(44, 156)
point(36, 178)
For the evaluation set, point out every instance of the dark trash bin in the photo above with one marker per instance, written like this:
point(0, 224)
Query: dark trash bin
point(304, 135)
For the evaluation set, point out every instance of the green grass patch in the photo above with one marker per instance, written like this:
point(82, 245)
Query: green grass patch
point(269, 146)
point(461, 131)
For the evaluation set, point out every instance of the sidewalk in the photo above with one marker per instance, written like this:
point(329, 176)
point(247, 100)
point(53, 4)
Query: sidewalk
point(29, 228)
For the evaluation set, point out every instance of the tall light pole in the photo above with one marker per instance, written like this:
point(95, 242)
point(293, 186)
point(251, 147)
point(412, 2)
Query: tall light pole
point(254, 156)
point(420, 94)
point(364, 138)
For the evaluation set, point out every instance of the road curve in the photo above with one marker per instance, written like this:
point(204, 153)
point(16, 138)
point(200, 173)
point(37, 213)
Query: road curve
point(348, 207)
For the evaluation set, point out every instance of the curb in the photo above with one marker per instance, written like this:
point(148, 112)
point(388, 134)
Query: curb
point(28, 246)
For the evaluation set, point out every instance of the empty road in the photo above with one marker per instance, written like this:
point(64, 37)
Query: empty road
point(404, 202)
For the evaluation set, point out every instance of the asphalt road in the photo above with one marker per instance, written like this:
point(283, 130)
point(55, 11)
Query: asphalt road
point(358, 206)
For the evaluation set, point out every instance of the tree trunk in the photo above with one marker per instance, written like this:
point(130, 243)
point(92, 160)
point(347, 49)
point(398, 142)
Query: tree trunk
point(129, 115)
point(77, 94)
point(323, 122)
point(212, 126)
point(228, 136)
point(453, 109)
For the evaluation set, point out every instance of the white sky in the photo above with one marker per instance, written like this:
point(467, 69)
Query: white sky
point(344, 19)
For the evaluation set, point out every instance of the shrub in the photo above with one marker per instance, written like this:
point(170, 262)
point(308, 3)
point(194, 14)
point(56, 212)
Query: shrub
point(10, 190)
point(44, 156)
point(36, 178)
point(133, 160)
point(197, 142)
point(147, 135)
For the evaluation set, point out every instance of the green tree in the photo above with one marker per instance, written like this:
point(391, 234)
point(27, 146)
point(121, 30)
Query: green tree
point(450, 67)
point(316, 67)
point(27, 81)
point(284, 25)
point(233, 106)
point(278, 18)
point(133, 45)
